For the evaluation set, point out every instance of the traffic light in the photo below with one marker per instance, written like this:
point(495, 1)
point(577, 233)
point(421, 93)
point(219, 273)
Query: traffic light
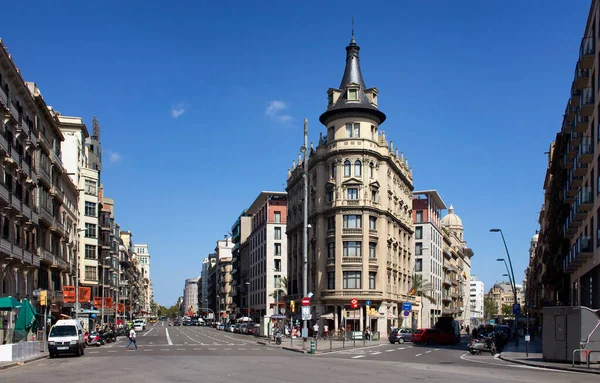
point(292, 306)
point(43, 297)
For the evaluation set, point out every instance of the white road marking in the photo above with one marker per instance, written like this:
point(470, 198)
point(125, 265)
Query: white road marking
point(402, 348)
point(358, 356)
point(112, 350)
point(390, 350)
point(147, 350)
point(376, 353)
point(212, 349)
point(427, 352)
point(93, 352)
point(181, 349)
point(255, 349)
point(437, 349)
point(227, 349)
point(239, 340)
point(146, 333)
point(242, 349)
point(168, 337)
point(418, 354)
point(164, 349)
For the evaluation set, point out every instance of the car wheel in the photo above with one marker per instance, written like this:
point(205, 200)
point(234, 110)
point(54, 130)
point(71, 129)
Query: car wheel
point(472, 352)
point(52, 355)
point(400, 340)
point(392, 342)
point(82, 350)
point(78, 353)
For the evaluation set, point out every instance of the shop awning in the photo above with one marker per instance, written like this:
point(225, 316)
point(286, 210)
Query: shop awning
point(9, 303)
point(26, 318)
point(327, 316)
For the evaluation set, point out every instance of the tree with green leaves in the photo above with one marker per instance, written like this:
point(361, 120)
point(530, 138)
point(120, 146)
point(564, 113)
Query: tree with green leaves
point(423, 289)
point(507, 311)
point(490, 308)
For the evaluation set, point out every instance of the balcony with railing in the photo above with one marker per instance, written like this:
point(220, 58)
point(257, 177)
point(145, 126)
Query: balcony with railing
point(4, 194)
point(581, 123)
point(353, 231)
point(587, 51)
point(586, 103)
point(582, 76)
point(350, 293)
point(574, 141)
point(56, 159)
point(57, 193)
point(3, 144)
point(579, 168)
point(330, 261)
point(3, 98)
point(585, 200)
point(13, 110)
point(586, 150)
point(352, 259)
point(43, 174)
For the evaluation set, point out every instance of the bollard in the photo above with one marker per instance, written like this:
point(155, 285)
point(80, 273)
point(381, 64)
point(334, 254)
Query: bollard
point(312, 346)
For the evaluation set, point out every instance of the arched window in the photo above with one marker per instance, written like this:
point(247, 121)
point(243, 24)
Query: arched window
point(357, 168)
point(333, 170)
point(347, 168)
point(371, 170)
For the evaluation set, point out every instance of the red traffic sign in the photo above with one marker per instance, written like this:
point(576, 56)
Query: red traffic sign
point(305, 301)
point(354, 303)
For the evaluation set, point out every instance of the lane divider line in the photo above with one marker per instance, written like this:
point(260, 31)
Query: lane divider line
point(168, 337)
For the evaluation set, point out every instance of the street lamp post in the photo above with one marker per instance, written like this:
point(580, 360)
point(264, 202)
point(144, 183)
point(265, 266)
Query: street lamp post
point(513, 283)
point(305, 151)
point(510, 281)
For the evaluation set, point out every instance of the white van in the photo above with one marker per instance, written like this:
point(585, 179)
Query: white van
point(66, 337)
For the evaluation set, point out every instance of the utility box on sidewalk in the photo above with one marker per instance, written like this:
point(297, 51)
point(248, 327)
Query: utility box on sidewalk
point(567, 328)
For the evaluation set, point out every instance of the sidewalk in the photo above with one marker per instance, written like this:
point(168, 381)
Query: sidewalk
point(322, 346)
point(514, 354)
point(14, 363)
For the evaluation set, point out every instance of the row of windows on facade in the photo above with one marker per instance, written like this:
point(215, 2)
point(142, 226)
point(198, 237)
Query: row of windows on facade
point(354, 221)
point(352, 131)
point(357, 169)
point(351, 280)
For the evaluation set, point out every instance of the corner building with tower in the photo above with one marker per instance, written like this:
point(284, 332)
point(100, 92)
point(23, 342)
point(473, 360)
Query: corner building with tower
point(360, 235)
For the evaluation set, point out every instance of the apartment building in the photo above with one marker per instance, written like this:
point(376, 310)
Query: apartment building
point(360, 213)
point(476, 295)
point(190, 296)
point(571, 275)
point(19, 134)
point(211, 299)
point(502, 294)
point(427, 209)
point(143, 254)
point(82, 164)
point(224, 266)
point(239, 234)
point(457, 269)
point(267, 249)
point(58, 204)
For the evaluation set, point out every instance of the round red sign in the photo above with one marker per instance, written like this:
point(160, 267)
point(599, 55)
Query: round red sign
point(305, 301)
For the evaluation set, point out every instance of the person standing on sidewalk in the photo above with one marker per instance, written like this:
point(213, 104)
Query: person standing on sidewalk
point(132, 339)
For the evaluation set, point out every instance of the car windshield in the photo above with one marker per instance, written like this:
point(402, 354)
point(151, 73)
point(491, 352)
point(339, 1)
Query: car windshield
point(63, 331)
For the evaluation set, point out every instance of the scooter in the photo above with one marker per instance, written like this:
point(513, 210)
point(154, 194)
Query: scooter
point(483, 343)
point(94, 339)
point(277, 335)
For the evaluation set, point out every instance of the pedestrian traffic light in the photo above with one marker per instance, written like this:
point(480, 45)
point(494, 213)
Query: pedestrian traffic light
point(292, 306)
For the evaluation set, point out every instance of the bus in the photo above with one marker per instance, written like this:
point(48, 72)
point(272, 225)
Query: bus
point(153, 319)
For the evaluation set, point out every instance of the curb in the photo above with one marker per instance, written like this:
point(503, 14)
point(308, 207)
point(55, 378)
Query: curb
point(14, 364)
point(558, 368)
point(294, 350)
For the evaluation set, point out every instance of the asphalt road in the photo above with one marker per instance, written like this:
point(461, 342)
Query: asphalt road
point(192, 354)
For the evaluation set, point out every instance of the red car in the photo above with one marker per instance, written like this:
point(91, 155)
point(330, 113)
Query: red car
point(434, 335)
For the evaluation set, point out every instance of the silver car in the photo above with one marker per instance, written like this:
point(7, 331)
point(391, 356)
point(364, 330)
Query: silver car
point(400, 335)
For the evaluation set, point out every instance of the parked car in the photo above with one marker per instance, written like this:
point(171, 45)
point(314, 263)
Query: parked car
point(434, 335)
point(66, 337)
point(251, 329)
point(401, 335)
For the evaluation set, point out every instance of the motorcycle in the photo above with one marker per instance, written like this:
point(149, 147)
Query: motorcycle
point(94, 339)
point(483, 343)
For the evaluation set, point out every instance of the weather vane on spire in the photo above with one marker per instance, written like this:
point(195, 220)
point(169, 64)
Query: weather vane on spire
point(352, 28)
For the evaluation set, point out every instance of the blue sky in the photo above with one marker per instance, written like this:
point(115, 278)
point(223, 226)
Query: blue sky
point(201, 104)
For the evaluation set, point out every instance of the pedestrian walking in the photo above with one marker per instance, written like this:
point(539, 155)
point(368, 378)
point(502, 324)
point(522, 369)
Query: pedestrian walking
point(132, 339)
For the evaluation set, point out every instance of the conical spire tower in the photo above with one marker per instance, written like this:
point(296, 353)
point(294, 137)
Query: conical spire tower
point(354, 96)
